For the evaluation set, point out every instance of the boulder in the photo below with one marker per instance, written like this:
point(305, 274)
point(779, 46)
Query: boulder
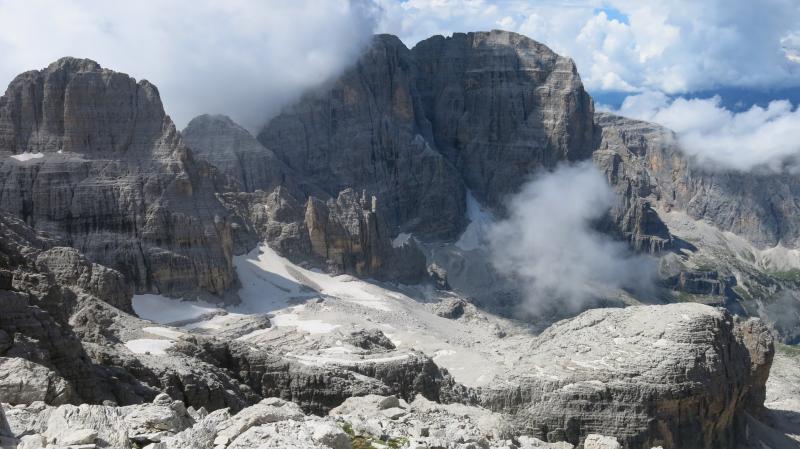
point(78, 437)
point(594, 441)
point(678, 375)
point(23, 382)
point(330, 435)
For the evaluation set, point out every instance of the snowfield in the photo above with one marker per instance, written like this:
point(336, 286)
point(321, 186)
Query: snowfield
point(480, 221)
point(322, 310)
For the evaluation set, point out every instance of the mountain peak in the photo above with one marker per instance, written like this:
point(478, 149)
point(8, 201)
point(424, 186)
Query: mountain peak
point(72, 64)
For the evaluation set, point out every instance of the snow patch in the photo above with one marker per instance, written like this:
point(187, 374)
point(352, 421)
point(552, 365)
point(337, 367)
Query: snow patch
point(480, 221)
point(311, 360)
point(172, 334)
point(162, 310)
point(27, 156)
point(401, 240)
point(149, 345)
point(271, 282)
point(310, 326)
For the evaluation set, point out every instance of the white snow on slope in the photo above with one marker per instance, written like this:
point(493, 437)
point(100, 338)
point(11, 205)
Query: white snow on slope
point(172, 334)
point(480, 221)
point(163, 310)
point(22, 157)
point(310, 326)
point(271, 282)
point(325, 309)
point(401, 240)
point(149, 345)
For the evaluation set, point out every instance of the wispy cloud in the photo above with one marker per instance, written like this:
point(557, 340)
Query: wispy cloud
point(549, 243)
point(721, 139)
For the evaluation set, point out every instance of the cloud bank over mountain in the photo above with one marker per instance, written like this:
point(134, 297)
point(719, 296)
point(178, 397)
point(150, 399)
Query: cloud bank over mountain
point(760, 137)
point(242, 58)
point(550, 244)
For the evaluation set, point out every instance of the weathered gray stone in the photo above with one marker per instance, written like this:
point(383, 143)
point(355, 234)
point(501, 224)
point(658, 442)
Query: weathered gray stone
point(23, 382)
point(78, 437)
point(693, 369)
point(497, 97)
point(370, 133)
point(644, 161)
point(595, 441)
point(115, 179)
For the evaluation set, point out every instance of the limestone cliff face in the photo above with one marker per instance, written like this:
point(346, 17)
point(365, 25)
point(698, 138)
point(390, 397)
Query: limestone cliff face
point(413, 127)
point(676, 376)
point(644, 160)
point(350, 237)
point(502, 106)
point(112, 177)
point(224, 144)
point(367, 131)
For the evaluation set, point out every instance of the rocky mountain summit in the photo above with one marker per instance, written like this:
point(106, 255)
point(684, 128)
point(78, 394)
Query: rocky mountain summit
point(89, 155)
point(325, 283)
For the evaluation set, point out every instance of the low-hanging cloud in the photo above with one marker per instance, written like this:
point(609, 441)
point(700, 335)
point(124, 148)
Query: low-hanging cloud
point(549, 242)
point(243, 58)
point(721, 139)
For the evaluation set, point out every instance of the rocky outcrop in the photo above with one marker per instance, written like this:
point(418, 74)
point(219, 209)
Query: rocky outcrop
point(343, 235)
point(23, 382)
point(701, 283)
point(69, 267)
point(222, 143)
point(112, 178)
point(502, 106)
point(44, 358)
point(367, 131)
point(644, 161)
point(677, 376)
point(350, 237)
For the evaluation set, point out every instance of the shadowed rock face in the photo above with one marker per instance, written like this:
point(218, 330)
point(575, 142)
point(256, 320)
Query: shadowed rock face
point(235, 152)
point(367, 131)
point(501, 106)
point(113, 179)
point(483, 110)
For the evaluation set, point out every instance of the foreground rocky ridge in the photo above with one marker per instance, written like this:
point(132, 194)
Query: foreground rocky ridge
point(370, 421)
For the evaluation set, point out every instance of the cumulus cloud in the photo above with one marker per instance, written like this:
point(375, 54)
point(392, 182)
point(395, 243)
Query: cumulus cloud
point(550, 245)
point(721, 139)
point(242, 58)
point(674, 46)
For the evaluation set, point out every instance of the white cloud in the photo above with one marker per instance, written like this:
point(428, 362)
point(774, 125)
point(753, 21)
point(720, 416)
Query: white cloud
point(722, 139)
point(549, 244)
point(243, 58)
point(674, 46)
point(791, 46)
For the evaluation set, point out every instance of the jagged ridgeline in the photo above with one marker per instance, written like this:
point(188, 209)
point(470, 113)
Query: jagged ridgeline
point(362, 184)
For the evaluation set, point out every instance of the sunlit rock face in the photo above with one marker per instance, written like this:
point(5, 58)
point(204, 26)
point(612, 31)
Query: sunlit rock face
point(114, 179)
point(678, 376)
